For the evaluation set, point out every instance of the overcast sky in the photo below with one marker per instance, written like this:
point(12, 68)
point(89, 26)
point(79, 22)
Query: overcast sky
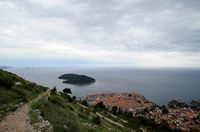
point(147, 33)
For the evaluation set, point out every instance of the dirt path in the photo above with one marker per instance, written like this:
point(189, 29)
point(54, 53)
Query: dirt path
point(18, 120)
point(43, 95)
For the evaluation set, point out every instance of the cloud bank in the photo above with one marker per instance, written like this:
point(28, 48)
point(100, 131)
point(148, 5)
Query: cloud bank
point(106, 32)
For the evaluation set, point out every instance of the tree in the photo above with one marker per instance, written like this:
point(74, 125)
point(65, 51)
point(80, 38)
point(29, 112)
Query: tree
point(114, 110)
point(54, 90)
point(177, 103)
point(96, 120)
point(127, 113)
point(164, 109)
point(84, 102)
point(67, 91)
point(164, 125)
point(100, 105)
point(74, 98)
point(120, 111)
point(6, 81)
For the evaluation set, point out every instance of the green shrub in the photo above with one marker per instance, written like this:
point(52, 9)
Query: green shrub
point(53, 91)
point(56, 100)
point(74, 97)
point(13, 108)
point(84, 102)
point(114, 110)
point(37, 104)
point(96, 120)
point(6, 81)
point(67, 91)
point(164, 109)
point(100, 105)
point(33, 117)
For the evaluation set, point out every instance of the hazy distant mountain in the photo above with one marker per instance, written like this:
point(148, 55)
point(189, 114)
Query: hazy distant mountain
point(4, 67)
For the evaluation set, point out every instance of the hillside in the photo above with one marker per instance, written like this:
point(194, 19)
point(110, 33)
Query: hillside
point(66, 114)
point(49, 110)
point(19, 97)
point(15, 91)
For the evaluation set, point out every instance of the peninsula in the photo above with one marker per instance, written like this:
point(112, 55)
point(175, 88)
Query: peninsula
point(76, 79)
point(177, 115)
point(133, 102)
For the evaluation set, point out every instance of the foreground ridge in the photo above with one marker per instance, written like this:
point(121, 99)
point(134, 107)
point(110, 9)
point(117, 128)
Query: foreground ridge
point(17, 121)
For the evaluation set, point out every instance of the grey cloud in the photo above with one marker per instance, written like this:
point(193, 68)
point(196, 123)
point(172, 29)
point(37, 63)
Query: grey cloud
point(171, 25)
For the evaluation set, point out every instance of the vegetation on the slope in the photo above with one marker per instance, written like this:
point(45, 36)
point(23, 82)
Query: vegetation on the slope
point(6, 80)
point(126, 118)
point(67, 91)
point(77, 79)
point(66, 114)
point(11, 95)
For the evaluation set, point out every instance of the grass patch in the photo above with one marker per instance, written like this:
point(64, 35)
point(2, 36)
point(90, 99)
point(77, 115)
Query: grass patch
point(11, 97)
point(65, 115)
point(32, 117)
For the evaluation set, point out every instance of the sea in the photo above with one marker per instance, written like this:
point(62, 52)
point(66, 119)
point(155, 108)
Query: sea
point(159, 85)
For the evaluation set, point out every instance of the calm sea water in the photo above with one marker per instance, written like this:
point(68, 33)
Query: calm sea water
point(157, 85)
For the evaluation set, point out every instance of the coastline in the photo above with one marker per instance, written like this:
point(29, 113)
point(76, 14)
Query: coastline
point(158, 86)
point(178, 114)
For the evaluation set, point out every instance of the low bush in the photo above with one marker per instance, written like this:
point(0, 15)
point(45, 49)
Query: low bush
point(84, 102)
point(6, 81)
point(57, 101)
point(100, 106)
point(96, 120)
point(53, 91)
point(67, 91)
